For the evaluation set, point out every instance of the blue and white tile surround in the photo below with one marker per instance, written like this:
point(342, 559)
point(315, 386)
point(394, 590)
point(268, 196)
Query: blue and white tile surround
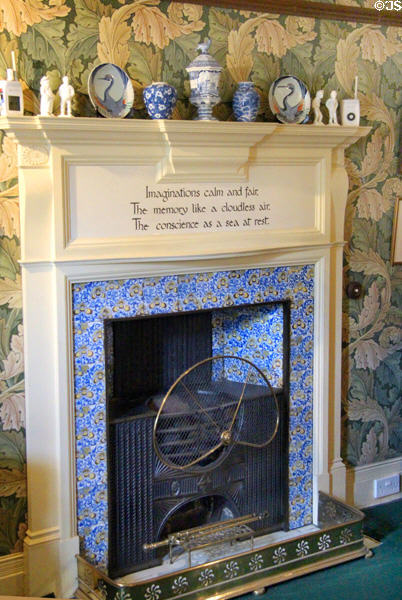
point(252, 332)
point(95, 301)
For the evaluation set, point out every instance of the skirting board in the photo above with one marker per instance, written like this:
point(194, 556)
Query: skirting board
point(360, 482)
point(12, 575)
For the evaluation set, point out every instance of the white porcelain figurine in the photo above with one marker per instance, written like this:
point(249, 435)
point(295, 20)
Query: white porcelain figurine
point(316, 107)
point(66, 93)
point(46, 98)
point(332, 105)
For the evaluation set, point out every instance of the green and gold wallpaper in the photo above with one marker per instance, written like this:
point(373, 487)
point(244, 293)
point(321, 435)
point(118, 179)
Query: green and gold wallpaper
point(155, 41)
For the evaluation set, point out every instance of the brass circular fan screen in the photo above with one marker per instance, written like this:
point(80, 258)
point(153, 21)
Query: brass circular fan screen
point(217, 403)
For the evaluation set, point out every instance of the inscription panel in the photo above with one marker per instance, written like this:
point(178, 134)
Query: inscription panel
point(113, 201)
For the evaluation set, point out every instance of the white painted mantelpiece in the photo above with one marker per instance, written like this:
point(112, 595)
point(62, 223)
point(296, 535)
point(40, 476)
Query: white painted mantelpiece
point(78, 178)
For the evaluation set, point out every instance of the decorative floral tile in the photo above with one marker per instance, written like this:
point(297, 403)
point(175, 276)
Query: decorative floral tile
point(95, 301)
point(253, 332)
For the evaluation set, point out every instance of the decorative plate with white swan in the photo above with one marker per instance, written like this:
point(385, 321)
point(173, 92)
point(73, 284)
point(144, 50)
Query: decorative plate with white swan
point(289, 99)
point(110, 90)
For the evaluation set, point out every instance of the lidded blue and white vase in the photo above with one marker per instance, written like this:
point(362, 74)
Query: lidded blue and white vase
point(204, 72)
point(160, 99)
point(246, 101)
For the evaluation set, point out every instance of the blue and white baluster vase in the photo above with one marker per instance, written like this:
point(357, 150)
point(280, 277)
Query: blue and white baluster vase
point(160, 99)
point(204, 72)
point(246, 101)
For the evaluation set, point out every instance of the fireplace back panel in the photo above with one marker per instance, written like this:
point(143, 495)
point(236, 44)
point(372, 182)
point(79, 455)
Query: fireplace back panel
point(153, 352)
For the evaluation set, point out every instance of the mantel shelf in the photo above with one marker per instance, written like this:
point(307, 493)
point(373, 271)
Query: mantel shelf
point(183, 150)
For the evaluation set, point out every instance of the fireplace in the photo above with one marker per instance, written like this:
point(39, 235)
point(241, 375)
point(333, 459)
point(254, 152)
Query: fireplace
point(132, 339)
point(267, 235)
point(144, 356)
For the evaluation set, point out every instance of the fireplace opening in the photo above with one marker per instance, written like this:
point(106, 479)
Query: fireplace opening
point(202, 511)
point(147, 499)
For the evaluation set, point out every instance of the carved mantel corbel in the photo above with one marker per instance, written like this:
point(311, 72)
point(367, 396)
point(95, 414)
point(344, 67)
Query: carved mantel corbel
point(33, 155)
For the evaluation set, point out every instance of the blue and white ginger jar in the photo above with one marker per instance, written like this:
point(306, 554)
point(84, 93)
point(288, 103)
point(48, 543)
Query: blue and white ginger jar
point(246, 101)
point(160, 99)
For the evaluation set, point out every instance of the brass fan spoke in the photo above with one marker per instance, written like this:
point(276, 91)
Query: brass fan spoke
point(214, 423)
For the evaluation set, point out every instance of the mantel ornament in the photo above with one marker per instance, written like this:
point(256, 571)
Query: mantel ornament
point(160, 99)
point(11, 96)
point(316, 108)
point(204, 74)
point(350, 109)
point(289, 99)
point(66, 93)
point(110, 91)
point(332, 105)
point(246, 101)
point(46, 97)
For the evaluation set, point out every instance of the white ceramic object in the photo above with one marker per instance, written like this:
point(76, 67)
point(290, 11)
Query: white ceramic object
point(289, 99)
point(332, 105)
point(204, 72)
point(110, 91)
point(11, 96)
point(350, 112)
point(160, 99)
point(246, 101)
point(316, 108)
point(66, 93)
point(46, 98)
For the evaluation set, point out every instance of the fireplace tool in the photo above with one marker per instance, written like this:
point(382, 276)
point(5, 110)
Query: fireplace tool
point(198, 538)
point(216, 404)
